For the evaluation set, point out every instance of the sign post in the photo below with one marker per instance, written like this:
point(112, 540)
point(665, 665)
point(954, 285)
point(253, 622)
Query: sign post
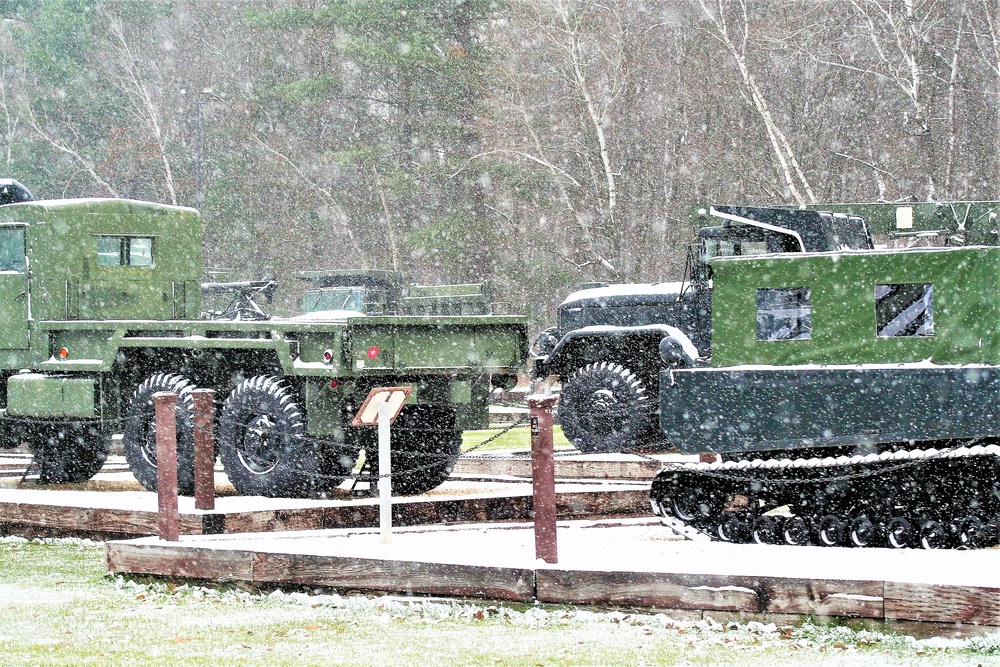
point(381, 408)
point(384, 475)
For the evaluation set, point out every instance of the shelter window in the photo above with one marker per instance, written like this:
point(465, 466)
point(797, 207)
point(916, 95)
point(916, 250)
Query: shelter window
point(125, 251)
point(784, 313)
point(12, 249)
point(904, 310)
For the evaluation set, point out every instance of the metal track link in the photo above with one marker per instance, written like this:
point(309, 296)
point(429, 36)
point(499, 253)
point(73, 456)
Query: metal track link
point(935, 498)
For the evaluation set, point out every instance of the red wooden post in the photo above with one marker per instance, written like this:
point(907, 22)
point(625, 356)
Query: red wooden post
point(165, 410)
point(204, 449)
point(543, 477)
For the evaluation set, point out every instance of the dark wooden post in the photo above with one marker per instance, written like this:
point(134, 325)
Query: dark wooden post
point(204, 449)
point(165, 410)
point(543, 477)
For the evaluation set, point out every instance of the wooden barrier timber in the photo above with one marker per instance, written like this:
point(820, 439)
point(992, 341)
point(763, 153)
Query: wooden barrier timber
point(602, 565)
point(116, 515)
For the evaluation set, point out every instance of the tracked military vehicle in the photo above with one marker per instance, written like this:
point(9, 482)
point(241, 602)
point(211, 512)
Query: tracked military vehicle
point(852, 397)
point(608, 343)
point(101, 306)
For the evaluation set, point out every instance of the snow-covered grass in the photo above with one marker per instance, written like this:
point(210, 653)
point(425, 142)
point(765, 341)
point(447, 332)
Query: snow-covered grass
point(518, 437)
point(58, 607)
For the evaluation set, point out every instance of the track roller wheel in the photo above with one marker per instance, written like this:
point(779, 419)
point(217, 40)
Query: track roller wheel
point(766, 530)
point(830, 531)
point(989, 536)
point(795, 531)
point(862, 532)
point(970, 532)
point(934, 535)
point(689, 506)
point(899, 533)
point(731, 527)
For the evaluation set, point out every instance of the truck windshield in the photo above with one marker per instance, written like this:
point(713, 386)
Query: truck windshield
point(12, 249)
point(334, 298)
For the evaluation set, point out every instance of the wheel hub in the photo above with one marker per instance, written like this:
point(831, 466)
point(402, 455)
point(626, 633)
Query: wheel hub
point(261, 449)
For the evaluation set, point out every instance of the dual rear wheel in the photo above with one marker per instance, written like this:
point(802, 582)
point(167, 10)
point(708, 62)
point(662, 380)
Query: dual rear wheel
point(265, 450)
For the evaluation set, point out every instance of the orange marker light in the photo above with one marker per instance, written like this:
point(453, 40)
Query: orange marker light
point(373, 352)
point(63, 352)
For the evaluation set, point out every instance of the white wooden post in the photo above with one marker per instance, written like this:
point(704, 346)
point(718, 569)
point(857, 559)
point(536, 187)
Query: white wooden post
point(384, 475)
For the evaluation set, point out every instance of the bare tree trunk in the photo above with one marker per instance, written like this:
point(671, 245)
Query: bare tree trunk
point(792, 173)
point(77, 157)
point(131, 81)
point(989, 50)
point(908, 33)
point(952, 79)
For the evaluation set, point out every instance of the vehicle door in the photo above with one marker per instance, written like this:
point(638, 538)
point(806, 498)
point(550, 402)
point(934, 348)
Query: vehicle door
point(15, 308)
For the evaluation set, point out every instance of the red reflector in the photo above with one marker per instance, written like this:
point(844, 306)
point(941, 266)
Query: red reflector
point(328, 355)
point(373, 352)
point(333, 384)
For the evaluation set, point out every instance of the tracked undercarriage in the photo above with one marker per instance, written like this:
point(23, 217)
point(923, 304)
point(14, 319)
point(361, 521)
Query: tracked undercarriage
point(930, 498)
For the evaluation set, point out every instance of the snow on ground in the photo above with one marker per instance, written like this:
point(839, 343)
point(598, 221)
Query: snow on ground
point(634, 545)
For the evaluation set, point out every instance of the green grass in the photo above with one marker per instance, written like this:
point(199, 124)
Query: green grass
point(57, 607)
point(518, 437)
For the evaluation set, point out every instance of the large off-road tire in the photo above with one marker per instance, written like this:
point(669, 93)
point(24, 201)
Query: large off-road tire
point(264, 446)
point(140, 431)
point(425, 445)
point(604, 407)
point(68, 452)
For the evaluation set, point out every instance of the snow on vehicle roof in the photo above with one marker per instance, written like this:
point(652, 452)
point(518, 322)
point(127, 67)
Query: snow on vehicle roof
point(325, 316)
point(845, 251)
point(91, 201)
point(625, 289)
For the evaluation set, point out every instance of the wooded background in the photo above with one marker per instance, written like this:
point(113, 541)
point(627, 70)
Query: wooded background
point(533, 143)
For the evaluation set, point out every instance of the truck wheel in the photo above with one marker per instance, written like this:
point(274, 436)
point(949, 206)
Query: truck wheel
point(425, 446)
point(140, 432)
point(603, 407)
point(264, 447)
point(69, 453)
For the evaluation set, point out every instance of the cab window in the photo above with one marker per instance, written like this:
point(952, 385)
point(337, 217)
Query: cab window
point(12, 249)
point(784, 314)
point(125, 251)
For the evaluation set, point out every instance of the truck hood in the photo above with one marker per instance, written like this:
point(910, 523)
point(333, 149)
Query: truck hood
point(626, 294)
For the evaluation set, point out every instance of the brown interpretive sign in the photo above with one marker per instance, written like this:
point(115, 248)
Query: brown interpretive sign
point(392, 397)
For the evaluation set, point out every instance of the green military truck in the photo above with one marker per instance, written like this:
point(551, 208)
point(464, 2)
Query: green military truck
point(101, 307)
point(853, 397)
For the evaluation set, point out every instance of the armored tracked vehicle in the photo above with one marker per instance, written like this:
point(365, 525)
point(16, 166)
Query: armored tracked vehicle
point(609, 341)
point(852, 397)
point(101, 306)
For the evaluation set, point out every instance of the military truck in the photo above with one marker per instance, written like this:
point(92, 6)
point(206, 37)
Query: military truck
point(101, 304)
point(854, 391)
point(608, 343)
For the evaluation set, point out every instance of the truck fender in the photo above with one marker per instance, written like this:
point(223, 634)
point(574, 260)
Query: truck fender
point(574, 341)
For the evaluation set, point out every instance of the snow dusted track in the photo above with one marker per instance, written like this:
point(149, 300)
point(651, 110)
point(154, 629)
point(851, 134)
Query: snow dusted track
point(935, 498)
